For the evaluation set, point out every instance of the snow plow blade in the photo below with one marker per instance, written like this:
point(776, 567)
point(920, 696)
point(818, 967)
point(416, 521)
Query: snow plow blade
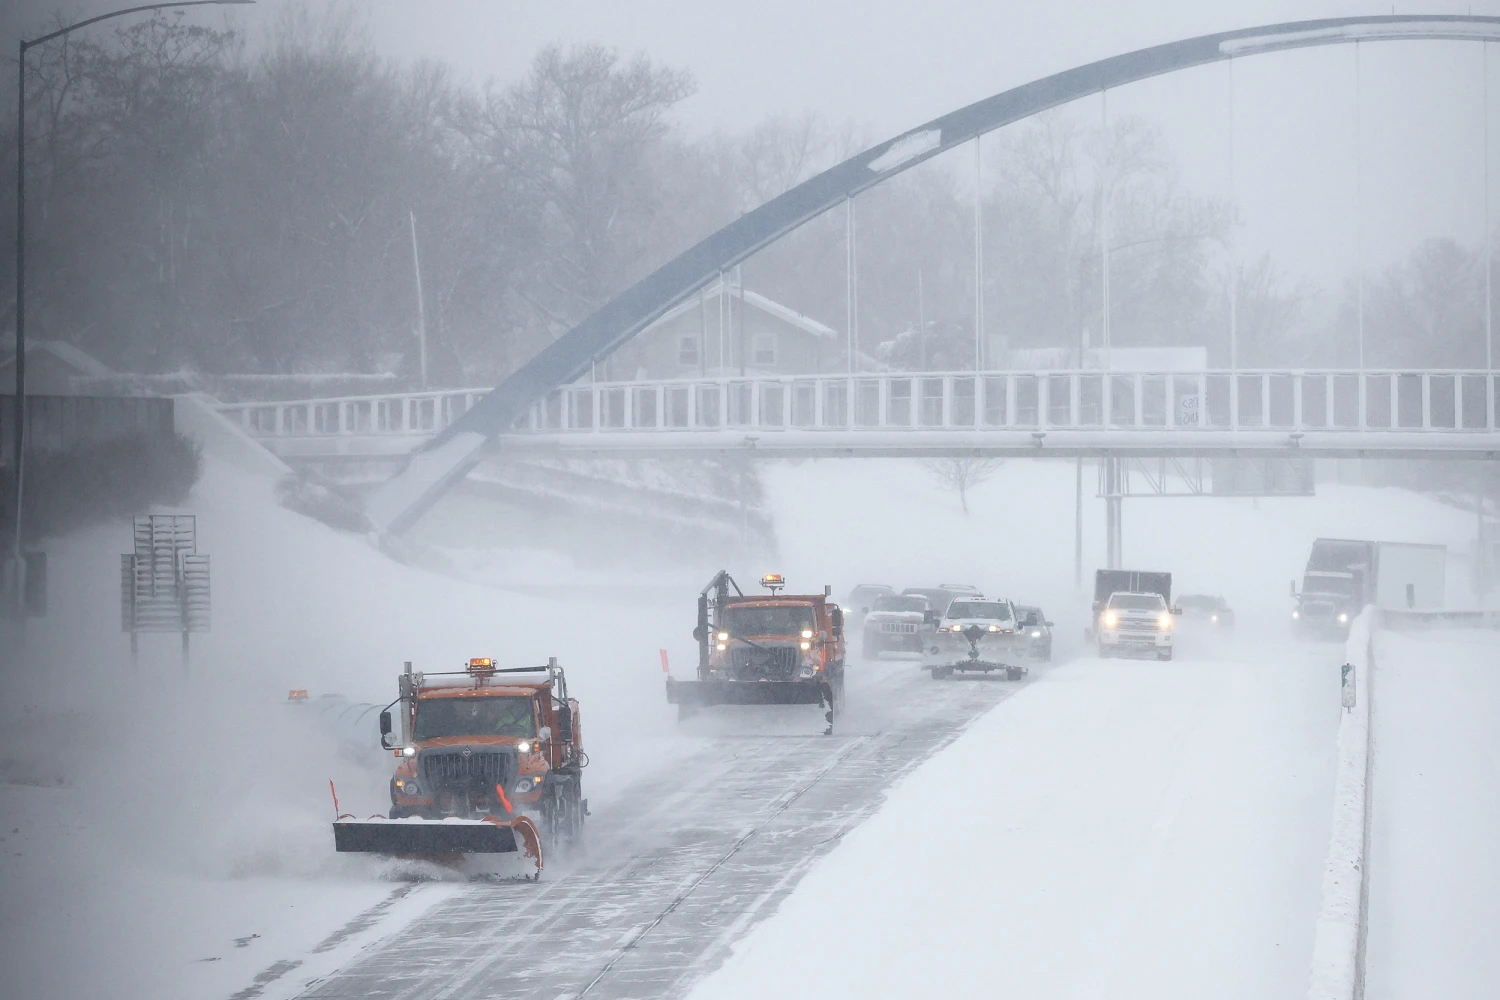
point(438, 837)
point(704, 693)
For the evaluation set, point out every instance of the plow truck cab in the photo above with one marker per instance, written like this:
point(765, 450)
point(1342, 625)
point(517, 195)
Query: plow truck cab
point(489, 760)
point(764, 649)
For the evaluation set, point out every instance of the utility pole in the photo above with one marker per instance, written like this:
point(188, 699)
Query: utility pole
point(921, 324)
point(416, 265)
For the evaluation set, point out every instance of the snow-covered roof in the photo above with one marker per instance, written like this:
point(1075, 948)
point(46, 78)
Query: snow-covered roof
point(83, 364)
point(769, 306)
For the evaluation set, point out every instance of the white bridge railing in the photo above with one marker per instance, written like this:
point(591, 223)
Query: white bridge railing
point(1314, 402)
point(1081, 400)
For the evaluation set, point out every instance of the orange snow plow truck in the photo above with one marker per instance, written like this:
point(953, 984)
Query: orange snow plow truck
point(489, 761)
point(764, 649)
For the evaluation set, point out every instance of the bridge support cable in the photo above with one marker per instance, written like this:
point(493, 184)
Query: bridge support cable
point(978, 253)
point(1489, 236)
point(459, 446)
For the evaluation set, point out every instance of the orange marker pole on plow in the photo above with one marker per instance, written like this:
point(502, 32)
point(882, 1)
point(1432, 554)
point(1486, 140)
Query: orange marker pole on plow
point(664, 668)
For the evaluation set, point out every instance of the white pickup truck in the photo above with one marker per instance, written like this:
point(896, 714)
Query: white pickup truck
point(1136, 623)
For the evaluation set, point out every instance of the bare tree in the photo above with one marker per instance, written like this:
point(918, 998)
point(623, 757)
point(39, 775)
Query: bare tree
point(962, 474)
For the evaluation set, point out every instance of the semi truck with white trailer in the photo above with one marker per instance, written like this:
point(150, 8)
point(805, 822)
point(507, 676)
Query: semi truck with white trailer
point(1343, 575)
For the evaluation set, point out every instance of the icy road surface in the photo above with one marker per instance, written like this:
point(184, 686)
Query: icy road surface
point(1434, 866)
point(679, 869)
point(1117, 829)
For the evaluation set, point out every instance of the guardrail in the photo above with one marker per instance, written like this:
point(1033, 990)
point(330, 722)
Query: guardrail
point(1403, 620)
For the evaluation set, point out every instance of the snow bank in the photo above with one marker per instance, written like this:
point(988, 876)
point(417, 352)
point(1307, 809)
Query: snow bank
point(167, 809)
point(1339, 939)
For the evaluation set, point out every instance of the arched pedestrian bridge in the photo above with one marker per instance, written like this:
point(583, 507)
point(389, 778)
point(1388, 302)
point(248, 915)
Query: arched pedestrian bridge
point(541, 405)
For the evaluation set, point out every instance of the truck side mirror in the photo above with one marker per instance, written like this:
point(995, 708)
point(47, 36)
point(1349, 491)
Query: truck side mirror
point(1294, 588)
point(699, 633)
point(864, 611)
point(565, 724)
point(1175, 611)
point(838, 622)
point(1048, 624)
point(385, 723)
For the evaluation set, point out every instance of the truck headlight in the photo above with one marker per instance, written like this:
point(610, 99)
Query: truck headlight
point(524, 746)
point(807, 672)
point(408, 788)
point(409, 751)
point(1213, 618)
point(527, 785)
point(1036, 634)
point(1111, 619)
point(807, 633)
point(1343, 617)
point(1164, 622)
point(1296, 614)
point(806, 645)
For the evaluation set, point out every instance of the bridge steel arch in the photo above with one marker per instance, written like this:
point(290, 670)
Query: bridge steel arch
point(401, 501)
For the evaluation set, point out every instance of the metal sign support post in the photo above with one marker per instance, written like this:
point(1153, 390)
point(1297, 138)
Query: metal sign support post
point(164, 583)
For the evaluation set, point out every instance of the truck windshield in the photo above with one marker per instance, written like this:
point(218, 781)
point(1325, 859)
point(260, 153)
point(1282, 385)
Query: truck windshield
point(1340, 586)
point(901, 603)
point(996, 610)
point(498, 715)
point(1138, 602)
point(768, 620)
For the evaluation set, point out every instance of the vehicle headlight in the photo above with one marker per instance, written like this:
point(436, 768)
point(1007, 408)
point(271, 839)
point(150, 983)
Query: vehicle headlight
point(1296, 614)
point(524, 746)
point(808, 672)
point(723, 646)
point(994, 628)
point(408, 788)
point(723, 636)
point(807, 633)
point(1111, 619)
point(409, 751)
point(1213, 618)
point(1343, 617)
point(806, 645)
point(527, 785)
point(1164, 622)
point(1036, 633)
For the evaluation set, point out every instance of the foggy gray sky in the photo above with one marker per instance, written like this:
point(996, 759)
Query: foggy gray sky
point(896, 65)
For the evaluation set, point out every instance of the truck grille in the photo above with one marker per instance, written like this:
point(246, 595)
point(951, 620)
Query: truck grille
point(902, 628)
point(777, 663)
point(470, 771)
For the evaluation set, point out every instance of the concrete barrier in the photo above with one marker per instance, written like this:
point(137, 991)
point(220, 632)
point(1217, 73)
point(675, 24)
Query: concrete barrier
point(1339, 941)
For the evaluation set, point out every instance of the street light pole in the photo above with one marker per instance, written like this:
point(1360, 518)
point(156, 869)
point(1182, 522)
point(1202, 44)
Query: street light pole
point(19, 402)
